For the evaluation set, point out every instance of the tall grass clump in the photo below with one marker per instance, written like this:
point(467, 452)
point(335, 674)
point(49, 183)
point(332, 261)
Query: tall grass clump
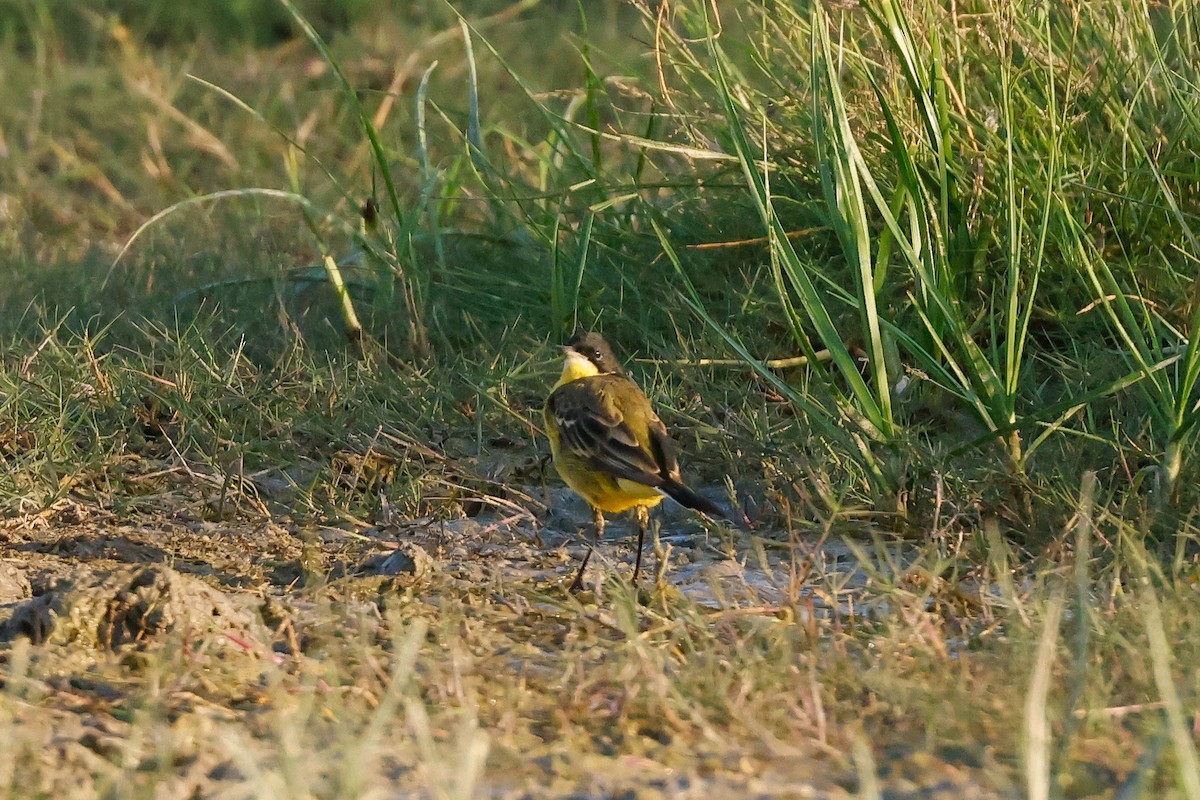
point(1004, 204)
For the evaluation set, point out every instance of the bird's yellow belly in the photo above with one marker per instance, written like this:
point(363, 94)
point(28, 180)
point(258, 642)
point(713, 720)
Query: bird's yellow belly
point(619, 495)
point(610, 494)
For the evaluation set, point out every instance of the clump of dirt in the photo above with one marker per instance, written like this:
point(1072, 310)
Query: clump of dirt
point(129, 606)
point(14, 585)
point(408, 560)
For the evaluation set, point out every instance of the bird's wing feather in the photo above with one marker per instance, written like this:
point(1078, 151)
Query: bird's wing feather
point(593, 428)
point(662, 448)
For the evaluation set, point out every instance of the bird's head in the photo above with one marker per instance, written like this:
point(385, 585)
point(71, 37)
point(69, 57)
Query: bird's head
point(588, 354)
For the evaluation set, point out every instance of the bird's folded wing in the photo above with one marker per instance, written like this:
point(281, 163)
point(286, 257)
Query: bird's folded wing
point(597, 433)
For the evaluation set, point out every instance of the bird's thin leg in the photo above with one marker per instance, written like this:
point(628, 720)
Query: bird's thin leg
point(598, 516)
point(643, 520)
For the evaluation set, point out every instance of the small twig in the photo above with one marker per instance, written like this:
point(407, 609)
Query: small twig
point(1117, 712)
point(753, 241)
point(773, 363)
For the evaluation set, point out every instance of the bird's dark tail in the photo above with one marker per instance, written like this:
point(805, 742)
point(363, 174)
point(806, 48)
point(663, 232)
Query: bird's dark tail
point(686, 497)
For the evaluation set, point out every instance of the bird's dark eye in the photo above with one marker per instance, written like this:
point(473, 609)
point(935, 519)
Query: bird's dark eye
point(596, 354)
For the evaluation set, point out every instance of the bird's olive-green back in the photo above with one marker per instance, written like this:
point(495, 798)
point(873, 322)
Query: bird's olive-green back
point(613, 407)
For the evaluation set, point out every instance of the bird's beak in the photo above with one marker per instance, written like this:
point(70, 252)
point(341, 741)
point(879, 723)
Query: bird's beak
point(566, 351)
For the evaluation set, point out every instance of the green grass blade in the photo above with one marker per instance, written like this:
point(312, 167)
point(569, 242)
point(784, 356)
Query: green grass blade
point(810, 299)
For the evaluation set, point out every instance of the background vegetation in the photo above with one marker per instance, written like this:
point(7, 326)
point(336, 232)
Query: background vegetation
point(921, 280)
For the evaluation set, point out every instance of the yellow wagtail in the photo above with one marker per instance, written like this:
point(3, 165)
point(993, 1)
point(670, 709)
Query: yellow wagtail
point(609, 445)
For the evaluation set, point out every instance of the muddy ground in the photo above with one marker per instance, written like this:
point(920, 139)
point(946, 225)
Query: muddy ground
point(169, 653)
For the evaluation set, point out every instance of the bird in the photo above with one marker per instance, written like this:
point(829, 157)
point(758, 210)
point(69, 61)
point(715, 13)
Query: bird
point(609, 446)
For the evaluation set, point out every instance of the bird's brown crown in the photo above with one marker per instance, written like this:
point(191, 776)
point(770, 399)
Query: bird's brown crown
point(592, 346)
